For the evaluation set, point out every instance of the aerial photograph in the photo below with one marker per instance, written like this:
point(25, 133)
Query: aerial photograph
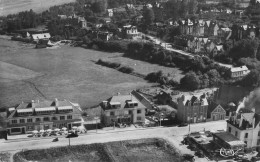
point(129, 80)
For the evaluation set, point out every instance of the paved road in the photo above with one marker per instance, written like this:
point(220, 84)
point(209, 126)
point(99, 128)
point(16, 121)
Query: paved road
point(173, 134)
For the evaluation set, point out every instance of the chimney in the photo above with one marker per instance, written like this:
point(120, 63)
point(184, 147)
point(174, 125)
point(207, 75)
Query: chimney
point(56, 102)
point(104, 104)
point(33, 104)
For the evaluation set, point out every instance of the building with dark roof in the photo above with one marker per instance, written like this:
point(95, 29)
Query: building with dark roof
point(192, 109)
point(216, 112)
point(42, 115)
point(124, 109)
point(244, 125)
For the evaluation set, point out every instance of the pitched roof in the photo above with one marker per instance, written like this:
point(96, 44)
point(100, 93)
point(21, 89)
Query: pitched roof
point(229, 138)
point(123, 98)
point(192, 99)
point(241, 68)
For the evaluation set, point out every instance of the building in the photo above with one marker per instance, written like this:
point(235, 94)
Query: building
point(241, 71)
point(216, 112)
point(38, 115)
point(192, 109)
point(104, 35)
point(130, 32)
point(110, 12)
point(37, 37)
point(122, 109)
point(244, 125)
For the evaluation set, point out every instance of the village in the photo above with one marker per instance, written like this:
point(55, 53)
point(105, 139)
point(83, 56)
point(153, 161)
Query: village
point(212, 44)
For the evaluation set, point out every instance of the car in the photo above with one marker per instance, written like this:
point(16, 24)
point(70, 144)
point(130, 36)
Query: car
point(188, 157)
point(72, 135)
point(183, 125)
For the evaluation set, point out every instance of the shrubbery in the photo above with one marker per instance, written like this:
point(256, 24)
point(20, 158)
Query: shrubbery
point(110, 46)
point(126, 69)
point(123, 69)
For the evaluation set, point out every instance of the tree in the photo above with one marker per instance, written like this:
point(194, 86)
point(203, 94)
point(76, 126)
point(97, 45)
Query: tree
point(214, 77)
point(193, 6)
point(190, 81)
point(148, 16)
point(98, 7)
point(252, 79)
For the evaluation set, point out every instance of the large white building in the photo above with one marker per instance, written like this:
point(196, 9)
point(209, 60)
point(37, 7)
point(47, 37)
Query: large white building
point(245, 126)
point(38, 115)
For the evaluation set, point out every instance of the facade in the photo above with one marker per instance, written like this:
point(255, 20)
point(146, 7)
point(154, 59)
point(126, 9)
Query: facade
point(37, 37)
point(130, 32)
point(192, 109)
point(239, 71)
point(122, 109)
point(110, 12)
point(38, 115)
point(244, 124)
point(216, 112)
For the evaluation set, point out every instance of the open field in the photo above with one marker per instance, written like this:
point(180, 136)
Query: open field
point(151, 150)
point(66, 72)
point(145, 68)
point(15, 6)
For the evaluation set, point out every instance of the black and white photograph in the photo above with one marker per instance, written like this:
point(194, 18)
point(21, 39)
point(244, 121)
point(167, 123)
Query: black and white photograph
point(129, 80)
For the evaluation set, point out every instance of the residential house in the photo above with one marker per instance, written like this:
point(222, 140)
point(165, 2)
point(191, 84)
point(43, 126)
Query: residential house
point(217, 50)
point(110, 12)
point(122, 109)
point(37, 37)
point(130, 32)
point(130, 6)
point(192, 109)
point(38, 115)
point(105, 20)
point(225, 33)
point(168, 98)
point(244, 124)
point(216, 112)
point(241, 71)
point(103, 35)
point(213, 29)
point(82, 22)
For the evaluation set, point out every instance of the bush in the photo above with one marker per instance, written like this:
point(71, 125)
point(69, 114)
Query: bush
point(126, 69)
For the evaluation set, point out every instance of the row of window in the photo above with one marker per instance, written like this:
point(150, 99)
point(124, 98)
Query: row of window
point(112, 113)
point(30, 120)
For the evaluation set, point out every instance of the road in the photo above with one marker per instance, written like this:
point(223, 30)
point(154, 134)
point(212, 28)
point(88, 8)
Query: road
point(173, 134)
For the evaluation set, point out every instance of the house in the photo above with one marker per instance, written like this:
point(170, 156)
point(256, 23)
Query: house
point(110, 12)
point(168, 98)
point(130, 32)
point(122, 109)
point(37, 37)
point(104, 35)
point(216, 112)
point(38, 115)
point(82, 22)
point(225, 33)
point(105, 20)
point(244, 125)
point(217, 50)
point(241, 71)
point(192, 109)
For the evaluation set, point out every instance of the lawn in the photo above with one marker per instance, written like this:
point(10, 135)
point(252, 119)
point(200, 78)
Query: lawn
point(145, 68)
point(64, 73)
point(152, 150)
point(15, 6)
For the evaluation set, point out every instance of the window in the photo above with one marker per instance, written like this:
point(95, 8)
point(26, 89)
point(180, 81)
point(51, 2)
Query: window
point(69, 117)
point(62, 117)
point(22, 121)
point(229, 129)
point(236, 134)
point(139, 111)
point(29, 128)
point(246, 135)
point(46, 119)
point(54, 118)
point(38, 119)
point(129, 112)
point(14, 121)
point(139, 118)
point(112, 113)
point(29, 120)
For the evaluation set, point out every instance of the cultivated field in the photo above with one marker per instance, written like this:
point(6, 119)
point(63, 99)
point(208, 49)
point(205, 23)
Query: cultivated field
point(66, 72)
point(152, 150)
point(145, 68)
point(15, 6)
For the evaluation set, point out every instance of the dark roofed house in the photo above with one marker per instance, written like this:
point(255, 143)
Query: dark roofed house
point(216, 112)
point(42, 115)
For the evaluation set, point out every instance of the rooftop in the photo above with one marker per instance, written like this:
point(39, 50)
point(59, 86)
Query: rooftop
point(229, 138)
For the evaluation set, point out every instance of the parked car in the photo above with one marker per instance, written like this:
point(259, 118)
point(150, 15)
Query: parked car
point(183, 125)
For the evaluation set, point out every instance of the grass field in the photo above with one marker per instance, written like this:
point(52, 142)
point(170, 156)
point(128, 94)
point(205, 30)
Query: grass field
point(15, 6)
point(66, 72)
point(145, 68)
point(152, 150)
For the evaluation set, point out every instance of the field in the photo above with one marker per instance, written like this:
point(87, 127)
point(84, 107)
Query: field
point(151, 150)
point(145, 68)
point(15, 6)
point(67, 72)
